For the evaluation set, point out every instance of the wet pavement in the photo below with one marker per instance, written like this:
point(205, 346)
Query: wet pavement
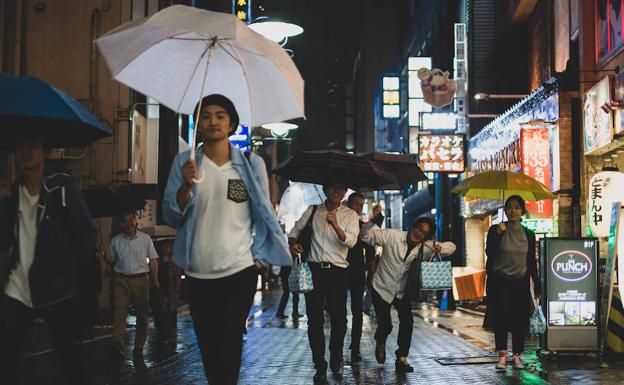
point(276, 352)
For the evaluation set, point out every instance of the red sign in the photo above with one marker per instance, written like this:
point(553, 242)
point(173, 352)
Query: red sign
point(536, 164)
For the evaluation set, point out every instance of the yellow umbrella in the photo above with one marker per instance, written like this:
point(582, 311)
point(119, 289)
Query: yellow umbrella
point(499, 185)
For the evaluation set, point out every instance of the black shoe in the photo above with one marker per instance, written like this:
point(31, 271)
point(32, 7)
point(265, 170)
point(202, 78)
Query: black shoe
point(320, 377)
point(356, 356)
point(335, 364)
point(403, 366)
point(297, 315)
point(281, 315)
point(380, 353)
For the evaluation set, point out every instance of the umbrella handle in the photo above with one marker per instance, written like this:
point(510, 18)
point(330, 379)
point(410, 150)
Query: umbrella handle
point(201, 177)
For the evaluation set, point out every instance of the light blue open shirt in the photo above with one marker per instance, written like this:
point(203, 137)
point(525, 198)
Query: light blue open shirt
point(269, 242)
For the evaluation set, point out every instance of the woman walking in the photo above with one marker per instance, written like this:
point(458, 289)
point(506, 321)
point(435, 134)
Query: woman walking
point(511, 261)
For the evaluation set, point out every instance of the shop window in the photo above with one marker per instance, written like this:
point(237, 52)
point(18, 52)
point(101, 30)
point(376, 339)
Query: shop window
point(609, 27)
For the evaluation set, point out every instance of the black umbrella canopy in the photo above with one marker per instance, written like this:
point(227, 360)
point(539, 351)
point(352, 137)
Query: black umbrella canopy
point(317, 166)
point(404, 169)
point(110, 201)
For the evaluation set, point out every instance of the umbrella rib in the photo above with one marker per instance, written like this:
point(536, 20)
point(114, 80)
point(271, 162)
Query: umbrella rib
point(188, 84)
point(235, 57)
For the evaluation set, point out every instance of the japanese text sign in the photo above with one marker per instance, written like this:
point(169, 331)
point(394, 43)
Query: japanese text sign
point(536, 164)
point(441, 153)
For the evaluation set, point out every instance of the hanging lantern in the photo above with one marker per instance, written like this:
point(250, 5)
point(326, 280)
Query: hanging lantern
point(605, 188)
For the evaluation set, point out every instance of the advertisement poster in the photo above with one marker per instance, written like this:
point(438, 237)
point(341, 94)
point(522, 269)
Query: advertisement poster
point(571, 288)
point(597, 117)
point(607, 285)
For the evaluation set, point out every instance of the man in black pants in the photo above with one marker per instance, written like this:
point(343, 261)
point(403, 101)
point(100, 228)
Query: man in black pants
point(359, 257)
point(46, 235)
point(334, 229)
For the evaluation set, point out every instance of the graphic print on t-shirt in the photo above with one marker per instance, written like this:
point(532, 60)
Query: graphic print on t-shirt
point(237, 191)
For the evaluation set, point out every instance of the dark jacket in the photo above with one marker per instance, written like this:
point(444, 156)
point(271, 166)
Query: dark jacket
point(492, 251)
point(66, 237)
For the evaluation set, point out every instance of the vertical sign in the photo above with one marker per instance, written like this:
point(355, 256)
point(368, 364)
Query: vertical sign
point(535, 146)
point(391, 108)
point(242, 9)
point(416, 103)
point(607, 287)
point(604, 188)
point(460, 74)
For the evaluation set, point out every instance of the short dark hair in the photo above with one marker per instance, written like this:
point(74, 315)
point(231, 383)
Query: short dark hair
point(429, 221)
point(354, 195)
point(222, 101)
point(335, 177)
point(518, 199)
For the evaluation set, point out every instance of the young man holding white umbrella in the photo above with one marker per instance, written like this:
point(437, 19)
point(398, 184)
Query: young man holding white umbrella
point(226, 231)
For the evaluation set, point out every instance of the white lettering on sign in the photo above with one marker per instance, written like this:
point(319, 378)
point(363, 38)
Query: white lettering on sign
point(571, 266)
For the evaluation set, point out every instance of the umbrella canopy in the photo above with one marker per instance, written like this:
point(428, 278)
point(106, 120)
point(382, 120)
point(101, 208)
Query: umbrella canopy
point(28, 105)
point(500, 185)
point(316, 166)
point(110, 201)
point(404, 169)
point(166, 55)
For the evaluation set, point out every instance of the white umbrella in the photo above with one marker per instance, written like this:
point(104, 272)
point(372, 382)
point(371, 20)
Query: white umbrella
point(182, 53)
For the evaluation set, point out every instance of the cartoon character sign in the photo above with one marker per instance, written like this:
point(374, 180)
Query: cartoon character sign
point(437, 88)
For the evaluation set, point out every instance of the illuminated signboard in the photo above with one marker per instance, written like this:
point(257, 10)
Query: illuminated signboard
point(416, 103)
point(439, 121)
point(604, 188)
point(539, 226)
point(390, 97)
point(441, 153)
point(571, 281)
point(535, 146)
point(242, 9)
point(597, 117)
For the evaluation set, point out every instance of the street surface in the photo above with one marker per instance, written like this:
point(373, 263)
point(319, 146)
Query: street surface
point(277, 352)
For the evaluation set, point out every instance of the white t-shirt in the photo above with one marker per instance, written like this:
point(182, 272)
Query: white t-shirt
point(222, 239)
point(19, 285)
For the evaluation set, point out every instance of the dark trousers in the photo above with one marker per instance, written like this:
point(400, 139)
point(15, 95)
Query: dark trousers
point(384, 322)
point(330, 288)
point(356, 290)
point(63, 324)
point(219, 309)
point(284, 273)
point(509, 300)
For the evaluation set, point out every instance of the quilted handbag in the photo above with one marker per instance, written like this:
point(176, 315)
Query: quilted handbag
point(300, 278)
point(436, 275)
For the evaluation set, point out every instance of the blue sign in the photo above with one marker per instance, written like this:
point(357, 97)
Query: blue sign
point(241, 138)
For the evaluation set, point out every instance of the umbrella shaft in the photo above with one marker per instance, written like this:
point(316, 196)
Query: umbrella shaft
point(201, 98)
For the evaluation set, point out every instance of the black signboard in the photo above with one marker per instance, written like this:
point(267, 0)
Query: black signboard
point(570, 271)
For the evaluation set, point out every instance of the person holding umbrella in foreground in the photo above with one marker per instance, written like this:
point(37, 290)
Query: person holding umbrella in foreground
point(226, 231)
point(511, 261)
point(400, 248)
point(46, 234)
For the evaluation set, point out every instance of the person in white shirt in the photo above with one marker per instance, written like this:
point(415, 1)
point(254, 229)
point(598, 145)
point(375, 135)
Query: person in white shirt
point(335, 229)
point(128, 254)
point(400, 248)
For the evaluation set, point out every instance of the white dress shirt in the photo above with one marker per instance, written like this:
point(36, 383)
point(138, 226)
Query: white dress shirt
point(326, 246)
point(131, 256)
point(393, 267)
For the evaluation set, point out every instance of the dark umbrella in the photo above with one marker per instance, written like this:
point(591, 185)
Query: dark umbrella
point(110, 201)
point(317, 166)
point(28, 105)
point(404, 169)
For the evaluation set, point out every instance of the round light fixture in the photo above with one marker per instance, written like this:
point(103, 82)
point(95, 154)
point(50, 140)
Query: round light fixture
point(276, 30)
point(279, 130)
